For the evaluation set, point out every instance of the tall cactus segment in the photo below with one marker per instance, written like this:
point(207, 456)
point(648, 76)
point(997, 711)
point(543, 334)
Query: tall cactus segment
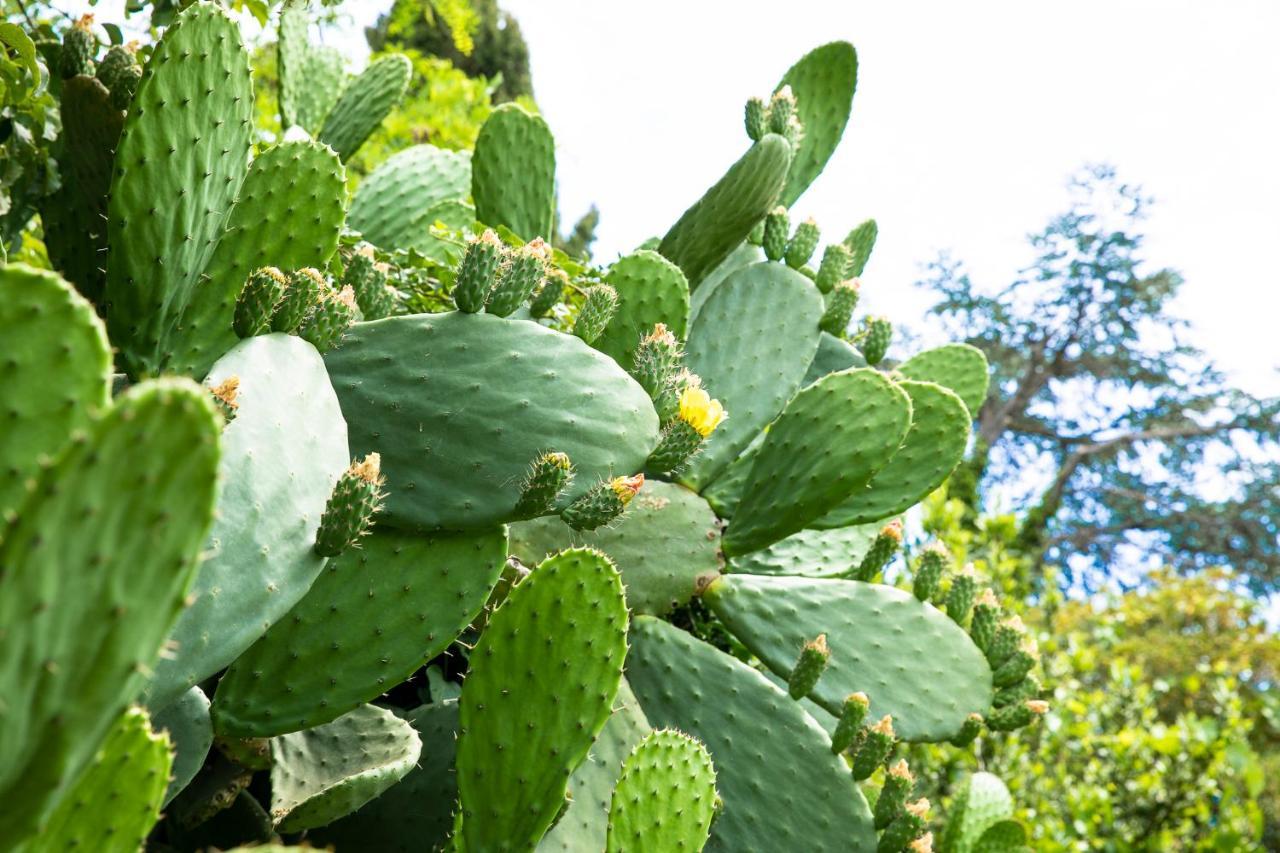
point(823, 82)
point(959, 367)
point(513, 173)
point(753, 731)
point(186, 722)
point(373, 617)
point(751, 343)
point(364, 103)
point(187, 223)
point(666, 546)
point(56, 374)
point(458, 419)
point(281, 457)
point(393, 206)
point(929, 678)
point(542, 682)
point(94, 569)
point(666, 796)
point(720, 221)
point(327, 772)
point(829, 442)
point(933, 447)
point(651, 290)
point(116, 799)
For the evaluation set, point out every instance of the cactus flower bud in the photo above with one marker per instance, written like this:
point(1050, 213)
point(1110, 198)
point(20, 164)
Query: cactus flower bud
point(477, 271)
point(602, 504)
point(802, 244)
point(898, 783)
point(118, 60)
point(841, 301)
point(882, 550)
point(518, 277)
point(596, 312)
point(1013, 670)
point(852, 714)
point(756, 119)
point(809, 667)
point(224, 397)
point(969, 731)
point(1017, 716)
point(923, 844)
point(876, 745)
point(356, 498)
point(655, 366)
point(334, 313)
point(1006, 638)
point(960, 599)
point(79, 47)
point(986, 612)
point(258, 301)
point(548, 477)
point(782, 108)
point(874, 339)
point(550, 293)
point(777, 223)
point(860, 242)
point(1027, 688)
point(907, 827)
point(933, 564)
point(837, 260)
point(301, 296)
point(368, 279)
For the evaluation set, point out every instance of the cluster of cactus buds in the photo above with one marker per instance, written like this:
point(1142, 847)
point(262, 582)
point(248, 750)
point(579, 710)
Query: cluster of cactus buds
point(778, 116)
point(369, 280)
point(302, 302)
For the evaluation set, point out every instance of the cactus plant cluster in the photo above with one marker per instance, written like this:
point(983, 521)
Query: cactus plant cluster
point(573, 565)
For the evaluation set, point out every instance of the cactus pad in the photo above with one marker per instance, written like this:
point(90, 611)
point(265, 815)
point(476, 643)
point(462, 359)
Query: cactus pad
point(322, 774)
point(116, 800)
point(650, 290)
point(823, 82)
point(666, 796)
point(959, 367)
point(56, 373)
point(375, 615)
point(910, 659)
point(751, 343)
point(393, 208)
point(281, 456)
point(833, 355)
point(718, 222)
point(665, 545)
point(310, 78)
point(811, 553)
point(983, 801)
point(94, 570)
point(513, 173)
point(364, 103)
point(933, 448)
point(186, 721)
point(829, 442)
point(459, 405)
point(542, 683)
point(754, 732)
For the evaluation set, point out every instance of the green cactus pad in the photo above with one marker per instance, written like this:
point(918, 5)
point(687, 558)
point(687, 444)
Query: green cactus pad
point(982, 802)
point(720, 221)
point(811, 553)
point(281, 456)
point(116, 799)
point(310, 79)
point(833, 356)
point(933, 448)
point(666, 796)
point(665, 545)
point(751, 343)
point(584, 825)
point(56, 374)
point(375, 615)
point(744, 256)
point(459, 405)
point(186, 721)
point(416, 813)
point(322, 774)
point(823, 82)
point(542, 683)
point(513, 173)
point(829, 442)
point(959, 367)
point(910, 659)
point(1006, 836)
point(393, 208)
point(651, 290)
point(365, 102)
point(169, 202)
point(754, 732)
point(94, 570)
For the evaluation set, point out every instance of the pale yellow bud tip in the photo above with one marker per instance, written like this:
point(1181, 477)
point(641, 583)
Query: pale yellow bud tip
point(368, 469)
point(226, 391)
point(626, 487)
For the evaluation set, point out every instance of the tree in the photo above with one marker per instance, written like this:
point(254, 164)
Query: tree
point(1144, 443)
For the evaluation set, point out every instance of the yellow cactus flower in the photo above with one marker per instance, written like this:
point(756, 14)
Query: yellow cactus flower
point(626, 487)
point(700, 411)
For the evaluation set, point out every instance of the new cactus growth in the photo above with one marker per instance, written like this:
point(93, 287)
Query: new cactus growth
point(782, 118)
point(874, 338)
point(224, 397)
point(329, 320)
point(1017, 716)
point(837, 262)
point(550, 294)
point(898, 783)
point(548, 477)
point(79, 47)
point(849, 726)
point(478, 272)
point(881, 552)
point(873, 748)
point(964, 586)
point(756, 118)
point(602, 504)
point(656, 366)
point(982, 627)
point(908, 826)
point(596, 312)
point(809, 667)
point(301, 296)
point(929, 571)
point(1005, 640)
point(803, 242)
point(969, 731)
point(776, 226)
point(841, 301)
point(520, 274)
point(256, 307)
point(368, 279)
point(348, 516)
